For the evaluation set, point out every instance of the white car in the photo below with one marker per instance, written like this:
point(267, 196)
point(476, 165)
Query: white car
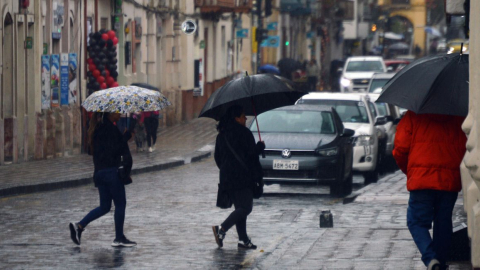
point(358, 113)
point(358, 71)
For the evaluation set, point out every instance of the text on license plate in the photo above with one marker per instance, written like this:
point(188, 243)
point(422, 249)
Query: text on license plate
point(285, 164)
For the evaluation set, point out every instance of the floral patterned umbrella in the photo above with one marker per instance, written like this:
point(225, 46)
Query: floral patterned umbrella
point(125, 99)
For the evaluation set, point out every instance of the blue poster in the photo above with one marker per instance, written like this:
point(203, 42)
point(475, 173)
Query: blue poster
point(72, 78)
point(273, 26)
point(242, 33)
point(271, 41)
point(55, 80)
point(46, 93)
point(64, 78)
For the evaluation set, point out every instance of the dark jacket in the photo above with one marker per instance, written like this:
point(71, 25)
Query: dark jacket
point(232, 174)
point(109, 145)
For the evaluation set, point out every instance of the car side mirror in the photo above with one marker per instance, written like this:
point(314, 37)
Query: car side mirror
point(396, 121)
point(390, 69)
point(389, 118)
point(347, 132)
point(380, 121)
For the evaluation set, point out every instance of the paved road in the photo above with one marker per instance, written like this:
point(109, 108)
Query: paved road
point(169, 213)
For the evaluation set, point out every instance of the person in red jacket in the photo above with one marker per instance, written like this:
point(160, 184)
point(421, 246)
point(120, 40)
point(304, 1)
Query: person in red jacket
point(429, 149)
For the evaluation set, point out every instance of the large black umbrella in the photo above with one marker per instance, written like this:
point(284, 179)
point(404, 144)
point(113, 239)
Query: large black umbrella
point(436, 84)
point(256, 94)
point(287, 66)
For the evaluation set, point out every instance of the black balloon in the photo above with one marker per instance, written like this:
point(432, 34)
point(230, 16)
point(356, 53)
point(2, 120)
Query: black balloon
point(97, 61)
point(113, 61)
point(104, 73)
point(89, 73)
point(114, 73)
point(97, 48)
point(96, 85)
point(113, 49)
point(97, 36)
point(93, 42)
point(101, 43)
point(102, 31)
point(101, 55)
point(101, 67)
point(105, 61)
point(109, 43)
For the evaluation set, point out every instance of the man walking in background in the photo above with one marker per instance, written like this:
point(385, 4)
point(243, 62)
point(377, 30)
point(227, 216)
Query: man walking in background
point(312, 75)
point(429, 149)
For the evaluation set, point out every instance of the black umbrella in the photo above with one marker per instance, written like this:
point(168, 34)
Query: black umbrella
point(287, 66)
point(256, 94)
point(146, 85)
point(436, 84)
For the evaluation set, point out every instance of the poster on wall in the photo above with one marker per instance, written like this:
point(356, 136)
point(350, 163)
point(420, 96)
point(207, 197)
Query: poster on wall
point(72, 78)
point(64, 79)
point(55, 80)
point(46, 93)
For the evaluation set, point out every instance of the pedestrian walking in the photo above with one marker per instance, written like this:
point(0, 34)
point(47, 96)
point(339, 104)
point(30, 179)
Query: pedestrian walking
point(110, 151)
point(235, 145)
point(312, 75)
point(140, 134)
point(429, 149)
point(150, 120)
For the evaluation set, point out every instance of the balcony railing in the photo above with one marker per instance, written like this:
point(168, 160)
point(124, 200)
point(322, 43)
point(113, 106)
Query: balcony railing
point(215, 5)
point(243, 5)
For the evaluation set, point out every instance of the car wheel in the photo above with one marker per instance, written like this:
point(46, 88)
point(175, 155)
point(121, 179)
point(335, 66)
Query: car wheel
point(348, 185)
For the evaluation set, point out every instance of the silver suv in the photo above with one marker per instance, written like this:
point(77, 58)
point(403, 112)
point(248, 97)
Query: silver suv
point(358, 71)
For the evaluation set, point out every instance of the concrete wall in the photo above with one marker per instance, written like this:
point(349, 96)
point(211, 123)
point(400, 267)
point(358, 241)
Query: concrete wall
point(469, 167)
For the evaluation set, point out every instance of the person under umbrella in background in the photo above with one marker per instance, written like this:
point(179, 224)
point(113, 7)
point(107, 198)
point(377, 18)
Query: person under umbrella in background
point(110, 151)
point(150, 119)
point(234, 142)
point(429, 149)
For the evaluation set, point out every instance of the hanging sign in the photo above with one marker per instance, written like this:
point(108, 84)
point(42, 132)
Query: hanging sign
point(271, 41)
point(189, 27)
point(242, 33)
point(54, 80)
point(273, 26)
point(46, 93)
point(72, 78)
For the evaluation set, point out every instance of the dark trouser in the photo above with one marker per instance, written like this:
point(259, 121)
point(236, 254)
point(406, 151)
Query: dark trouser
point(122, 124)
point(151, 126)
point(109, 188)
point(312, 83)
point(243, 202)
point(425, 206)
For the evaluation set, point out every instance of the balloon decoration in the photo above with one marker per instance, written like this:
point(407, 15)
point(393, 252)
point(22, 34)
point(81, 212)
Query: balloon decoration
point(102, 60)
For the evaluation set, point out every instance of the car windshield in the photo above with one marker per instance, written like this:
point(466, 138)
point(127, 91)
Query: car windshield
point(382, 109)
point(377, 83)
point(348, 110)
point(286, 121)
point(364, 66)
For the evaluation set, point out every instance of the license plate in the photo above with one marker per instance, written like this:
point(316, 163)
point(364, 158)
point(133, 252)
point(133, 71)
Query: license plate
point(279, 164)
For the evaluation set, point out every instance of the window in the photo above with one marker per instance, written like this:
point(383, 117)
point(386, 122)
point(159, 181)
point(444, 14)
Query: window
point(364, 66)
point(371, 107)
point(312, 122)
point(382, 109)
point(348, 110)
point(349, 10)
point(104, 23)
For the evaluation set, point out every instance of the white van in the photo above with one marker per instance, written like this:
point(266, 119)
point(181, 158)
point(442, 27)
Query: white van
point(357, 113)
point(358, 71)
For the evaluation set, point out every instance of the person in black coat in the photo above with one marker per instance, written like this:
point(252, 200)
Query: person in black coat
point(110, 151)
point(234, 178)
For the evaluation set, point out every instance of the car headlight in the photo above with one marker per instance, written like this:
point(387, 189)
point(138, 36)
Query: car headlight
point(329, 152)
point(345, 82)
point(450, 50)
point(363, 140)
point(464, 48)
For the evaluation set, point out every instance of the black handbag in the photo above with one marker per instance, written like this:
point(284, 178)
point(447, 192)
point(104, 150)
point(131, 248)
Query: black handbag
point(257, 188)
point(122, 174)
point(223, 200)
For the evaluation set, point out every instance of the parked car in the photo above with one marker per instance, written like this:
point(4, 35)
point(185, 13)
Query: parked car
point(358, 71)
point(357, 113)
point(306, 144)
point(378, 81)
point(396, 65)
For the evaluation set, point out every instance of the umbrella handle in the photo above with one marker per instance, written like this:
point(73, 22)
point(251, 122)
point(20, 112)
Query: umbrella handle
point(258, 128)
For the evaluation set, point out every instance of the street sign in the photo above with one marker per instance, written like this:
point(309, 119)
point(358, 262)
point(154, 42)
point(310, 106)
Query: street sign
point(273, 26)
point(242, 33)
point(45, 48)
point(29, 43)
point(202, 44)
point(310, 34)
point(237, 23)
point(271, 41)
point(189, 27)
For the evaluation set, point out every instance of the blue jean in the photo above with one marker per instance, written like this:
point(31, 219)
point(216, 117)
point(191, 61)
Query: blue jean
point(425, 207)
point(109, 188)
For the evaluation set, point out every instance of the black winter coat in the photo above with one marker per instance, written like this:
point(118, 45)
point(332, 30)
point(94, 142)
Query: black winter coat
point(233, 176)
point(109, 146)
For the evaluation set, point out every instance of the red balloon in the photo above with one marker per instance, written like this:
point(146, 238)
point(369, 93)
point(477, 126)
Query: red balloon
point(107, 73)
point(103, 86)
point(89, 61)
point(105, 37)
point(96, 73)
point(92, 67)
point(110, 80)
point(115, 40)
point(111, 34)
point(115, 84)
point(100, 79)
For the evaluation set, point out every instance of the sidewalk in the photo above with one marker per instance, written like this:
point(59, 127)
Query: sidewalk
point(176, 146)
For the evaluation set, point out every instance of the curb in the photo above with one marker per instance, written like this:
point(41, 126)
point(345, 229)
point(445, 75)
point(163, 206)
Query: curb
point(84, 180)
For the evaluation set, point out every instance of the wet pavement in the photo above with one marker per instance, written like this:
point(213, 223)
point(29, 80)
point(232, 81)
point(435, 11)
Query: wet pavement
point(170, 214)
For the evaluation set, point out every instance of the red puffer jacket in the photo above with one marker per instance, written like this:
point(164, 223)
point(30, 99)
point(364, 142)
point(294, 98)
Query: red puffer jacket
point(429, 149)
